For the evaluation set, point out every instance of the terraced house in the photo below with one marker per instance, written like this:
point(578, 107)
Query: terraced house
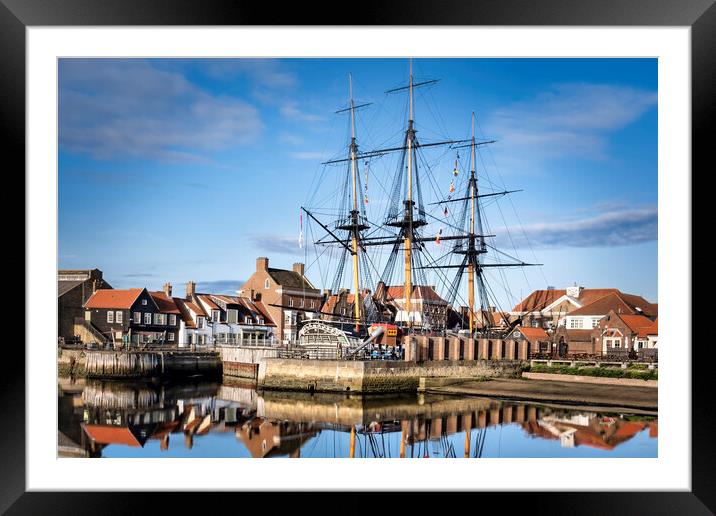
point(219, 319)
point(133, 315)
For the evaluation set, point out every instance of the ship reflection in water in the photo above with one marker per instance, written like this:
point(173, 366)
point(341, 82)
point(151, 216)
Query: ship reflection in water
point(112, 419)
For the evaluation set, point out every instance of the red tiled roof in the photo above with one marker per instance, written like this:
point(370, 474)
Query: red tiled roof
point(533, 333)
point(114, 298)
point(424, 292)
point(620, 303)
point(635, 322)
point(206, 298)
point(538, 300)
point(165, 303)
point(111, 435)
point(185, 308)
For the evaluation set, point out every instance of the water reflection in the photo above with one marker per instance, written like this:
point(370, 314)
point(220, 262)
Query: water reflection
point(205, 419)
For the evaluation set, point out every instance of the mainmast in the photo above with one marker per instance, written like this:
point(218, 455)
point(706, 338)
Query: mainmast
point(471, 267)
point(354, 211)
point(408, 287)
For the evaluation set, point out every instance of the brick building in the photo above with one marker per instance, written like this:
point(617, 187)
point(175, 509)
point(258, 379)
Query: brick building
point(550, 308)
point(619, 333)
point(74, 287)
point(295, 296)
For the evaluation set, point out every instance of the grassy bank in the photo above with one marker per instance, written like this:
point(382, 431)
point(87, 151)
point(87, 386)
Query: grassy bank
point(636, 373)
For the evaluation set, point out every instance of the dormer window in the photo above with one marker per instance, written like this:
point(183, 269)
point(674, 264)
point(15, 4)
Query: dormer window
point(215, 315)
point(247, 320)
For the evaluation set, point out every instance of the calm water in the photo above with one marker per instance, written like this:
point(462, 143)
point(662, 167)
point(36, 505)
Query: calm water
point(211, 419)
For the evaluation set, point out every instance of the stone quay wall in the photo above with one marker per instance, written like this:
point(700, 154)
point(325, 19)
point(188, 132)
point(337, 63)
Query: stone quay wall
point(245, 362)
point(373, 376)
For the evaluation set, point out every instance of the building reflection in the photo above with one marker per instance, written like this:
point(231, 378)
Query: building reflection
point(95, 414)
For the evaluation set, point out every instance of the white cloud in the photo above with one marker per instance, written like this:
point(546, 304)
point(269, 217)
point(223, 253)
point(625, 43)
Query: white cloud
point(113, 107)
point(566, 121)
point(624, 226)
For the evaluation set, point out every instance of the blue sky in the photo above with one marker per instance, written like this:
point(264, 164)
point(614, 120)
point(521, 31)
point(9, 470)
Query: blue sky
point(176, 170)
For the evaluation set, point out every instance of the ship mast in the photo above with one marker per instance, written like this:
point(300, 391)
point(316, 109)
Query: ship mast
point(354, 211)
point(408, 287)
point(471, 267)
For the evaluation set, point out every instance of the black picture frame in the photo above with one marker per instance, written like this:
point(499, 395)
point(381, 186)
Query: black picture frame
point(17, 15)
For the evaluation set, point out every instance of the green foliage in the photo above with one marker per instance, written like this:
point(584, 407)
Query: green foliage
point(637, 373)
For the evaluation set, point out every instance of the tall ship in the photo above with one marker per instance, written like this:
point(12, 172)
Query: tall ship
point(398, 249)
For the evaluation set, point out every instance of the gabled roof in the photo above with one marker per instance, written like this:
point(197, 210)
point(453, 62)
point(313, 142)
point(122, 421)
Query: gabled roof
point(165, 303)
point(533, 334)
point(63, 287)
point(290, 279)
point(539, 299)
point(620, 303)
point(636, 322)
point(185, 308)
point(206, 298)
point(114, 298)
point(424, 292)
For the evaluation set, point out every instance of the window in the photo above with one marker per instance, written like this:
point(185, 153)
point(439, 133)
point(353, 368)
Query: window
point(247, 320)
point(343, 311)
point(147, 318)
point(119, 317)
point(200, 322)
point(575, 323)
point(88, 315)
point(137, 317)
point(170, 337)
point(232, 316)
point(173, 320)
point(144, 302)
point(261, 320)
point(313, 303)
point(595, 322)
point(266, 283)
point(290, 302)
point(110, 317)
point(288, 319)
point(215, 315)
point(303, 303)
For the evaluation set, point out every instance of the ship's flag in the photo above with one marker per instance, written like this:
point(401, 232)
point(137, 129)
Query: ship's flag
point(452, 187)
point(437, 239)
point(454, 170)
point(365, 199)
point(300, 235)
point(445, 212)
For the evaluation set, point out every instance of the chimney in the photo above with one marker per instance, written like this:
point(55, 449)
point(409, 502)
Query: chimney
point(298, 267)
point(190, 289)
point(262, 263)
point(327, 292)
point(167, 288)
point(252, 294)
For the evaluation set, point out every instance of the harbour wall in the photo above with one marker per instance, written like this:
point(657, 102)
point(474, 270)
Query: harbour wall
point(375, 376)
point(425, 348)
point(245, 362)
point(146, 364)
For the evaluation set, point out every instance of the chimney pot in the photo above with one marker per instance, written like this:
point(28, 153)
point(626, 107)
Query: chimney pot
point(190, 289)
point(262, 263)
point(167, 289)
point(299, 268)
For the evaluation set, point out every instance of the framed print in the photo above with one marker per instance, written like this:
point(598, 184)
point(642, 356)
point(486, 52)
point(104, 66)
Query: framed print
point(413, 232)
